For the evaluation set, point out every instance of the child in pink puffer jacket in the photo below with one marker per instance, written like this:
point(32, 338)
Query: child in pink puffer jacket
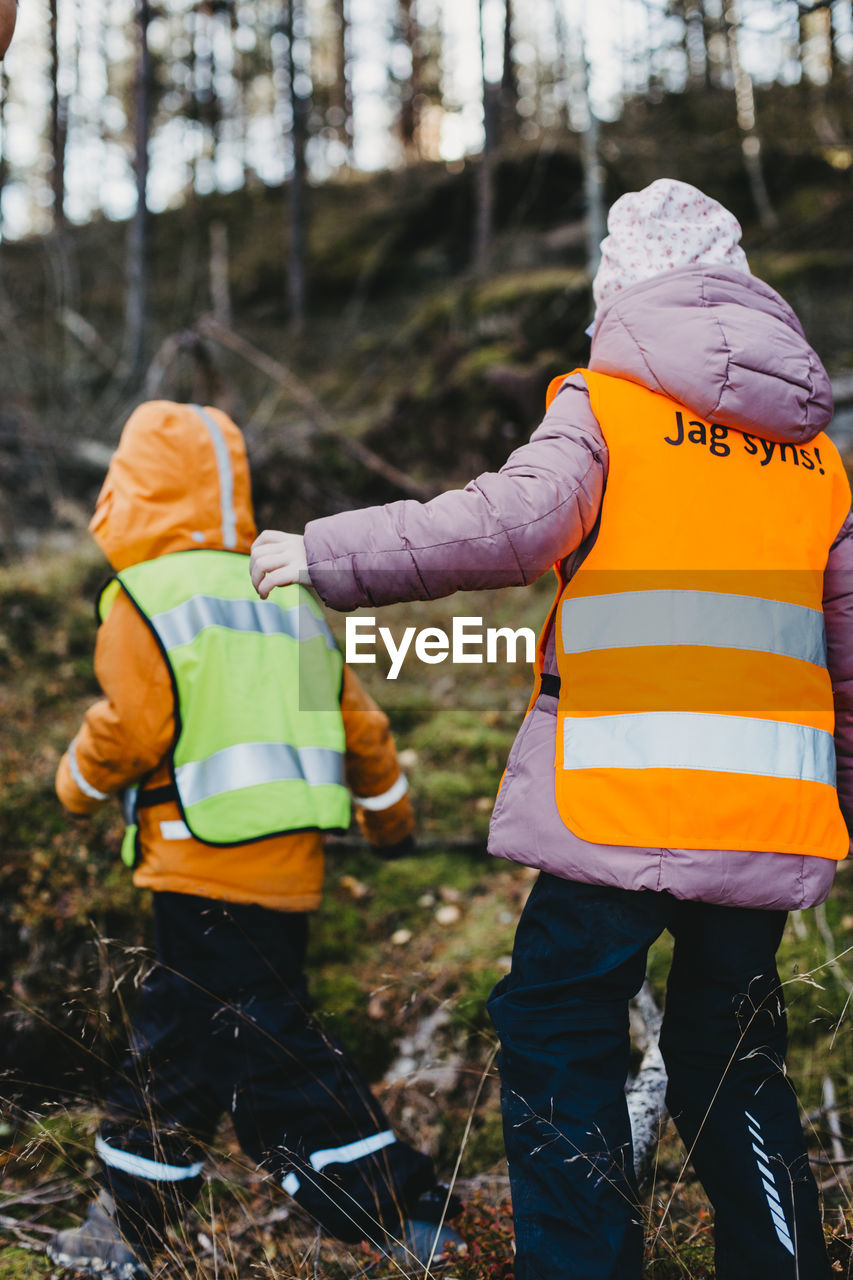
point(687, 760)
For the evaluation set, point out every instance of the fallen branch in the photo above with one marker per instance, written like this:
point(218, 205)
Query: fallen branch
point(88, 337)
point(183, 369)
point(828, 940)
point(279, 373)
point(646, 1105)
point(833, 1124)
point(19, 1225)
point(798, 925)
point(423, 844)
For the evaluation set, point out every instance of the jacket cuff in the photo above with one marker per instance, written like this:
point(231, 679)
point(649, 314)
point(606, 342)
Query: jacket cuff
point(332, 575)
point(387, 826)
point(69, 791)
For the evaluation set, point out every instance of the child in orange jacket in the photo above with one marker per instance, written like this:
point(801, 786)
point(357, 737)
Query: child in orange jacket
point(223, 1022)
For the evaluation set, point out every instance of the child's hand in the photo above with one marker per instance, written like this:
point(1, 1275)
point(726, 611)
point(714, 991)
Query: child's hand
point(278, 559)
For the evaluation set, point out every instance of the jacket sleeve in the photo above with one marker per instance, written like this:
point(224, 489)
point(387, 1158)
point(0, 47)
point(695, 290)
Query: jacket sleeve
point(127, 732)
point(378, 785)
point(504, 529)
point(838, 618)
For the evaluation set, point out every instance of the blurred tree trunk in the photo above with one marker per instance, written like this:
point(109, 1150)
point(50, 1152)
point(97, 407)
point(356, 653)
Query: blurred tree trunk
point(484, 207)
point(593, 179)
point(692, 15)
point(221, 85)
point(193, 114)
point(745, 106)
point(299, 110)
point(832, 33)
point(562, 62)
point(231, 105)
point(509, 81)
point(4, 164)
point(816, 49)
point(820, 65)
point(136, 304)
point(839, 28)
point(716, 47)
point(410, 89)
point(205, 105)
point(242, 19)
point(342, 100)
point(58, 122)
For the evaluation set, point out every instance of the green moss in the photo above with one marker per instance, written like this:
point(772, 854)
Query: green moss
point(23, 1264)
point(480, 360)
point(782, 270)
point(343, 1012)
point(657, 970)
point(511, 289)
point(397, 884)
point(484, 1148)
point(338, 931)
point(686, 1262)
point(468, 1010)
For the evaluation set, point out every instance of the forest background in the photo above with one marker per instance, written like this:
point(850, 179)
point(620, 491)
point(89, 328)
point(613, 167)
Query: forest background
point(366, 228)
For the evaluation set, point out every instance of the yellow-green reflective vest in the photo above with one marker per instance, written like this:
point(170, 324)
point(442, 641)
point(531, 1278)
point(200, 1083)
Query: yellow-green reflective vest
point(259, 737)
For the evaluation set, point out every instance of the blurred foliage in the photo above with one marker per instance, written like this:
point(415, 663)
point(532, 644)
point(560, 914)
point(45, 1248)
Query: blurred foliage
point(441, 373)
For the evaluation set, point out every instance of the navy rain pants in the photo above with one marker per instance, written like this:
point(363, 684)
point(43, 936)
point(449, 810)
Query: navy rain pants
point(223, 1025)
point(562, 1018)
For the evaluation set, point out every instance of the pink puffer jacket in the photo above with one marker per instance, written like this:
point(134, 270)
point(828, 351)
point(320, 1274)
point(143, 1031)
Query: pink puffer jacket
point(728, 346)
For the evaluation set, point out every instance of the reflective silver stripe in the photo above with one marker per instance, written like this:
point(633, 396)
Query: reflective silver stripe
point(694, 740)
point(712, 619)
point(384, 801)
point(182, 624)
point(772, 1193)
point(340, 1155)
point(352, 1151)
point(86, 787)
point(226, 477)
point(774, 1204)
point(254, 763)
point(176, 829)
point(782, 1233)
point(140, 1167)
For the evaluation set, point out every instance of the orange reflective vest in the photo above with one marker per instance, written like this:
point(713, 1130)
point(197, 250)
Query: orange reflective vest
point(695, 706)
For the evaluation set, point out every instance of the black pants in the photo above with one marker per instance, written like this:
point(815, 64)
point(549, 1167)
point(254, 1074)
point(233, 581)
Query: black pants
point(223, 1025)
point(562, 1017)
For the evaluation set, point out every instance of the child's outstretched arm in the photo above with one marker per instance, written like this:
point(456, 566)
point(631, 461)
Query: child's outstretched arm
point(504, 529)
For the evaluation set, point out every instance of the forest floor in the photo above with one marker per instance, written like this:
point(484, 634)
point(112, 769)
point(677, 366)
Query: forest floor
point(403, 956)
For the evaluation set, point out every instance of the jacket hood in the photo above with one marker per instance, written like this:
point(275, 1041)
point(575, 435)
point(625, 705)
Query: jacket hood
point(723, 343)
point(178, 480)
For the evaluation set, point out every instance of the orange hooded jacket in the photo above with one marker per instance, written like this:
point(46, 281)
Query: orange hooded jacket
point(165, 491)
